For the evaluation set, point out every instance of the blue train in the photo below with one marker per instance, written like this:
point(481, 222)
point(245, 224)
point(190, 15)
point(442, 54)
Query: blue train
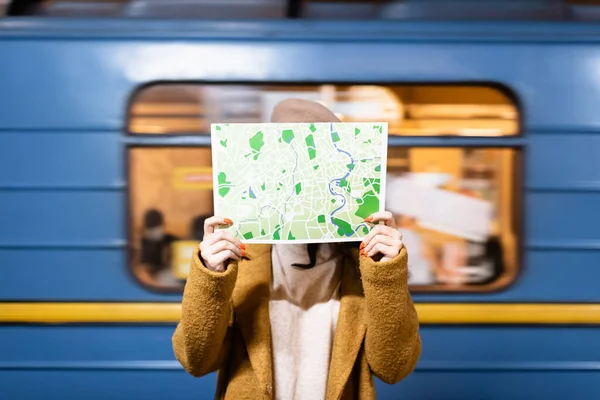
point(105, 180)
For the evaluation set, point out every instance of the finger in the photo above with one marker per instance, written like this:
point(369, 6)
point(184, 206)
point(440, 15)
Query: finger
point(222, 235)
point(220, 258)
point(380, 230)
point(382, 216)
point(388, 252)
point(384, 239)
point(223, 245)
point(212, 222)
point(222, 240)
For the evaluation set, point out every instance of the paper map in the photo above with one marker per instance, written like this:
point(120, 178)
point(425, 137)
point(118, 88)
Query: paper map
point(305, 183)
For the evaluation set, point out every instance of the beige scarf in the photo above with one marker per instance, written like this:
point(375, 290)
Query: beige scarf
point(303, 309)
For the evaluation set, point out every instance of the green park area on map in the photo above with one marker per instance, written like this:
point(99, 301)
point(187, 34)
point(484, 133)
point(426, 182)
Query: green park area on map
point(299, 182)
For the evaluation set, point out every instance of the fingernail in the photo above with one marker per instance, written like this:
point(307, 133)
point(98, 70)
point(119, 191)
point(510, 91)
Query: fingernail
point(363, 253)
point(362, 245)
point(369, 219)
point(242, 246)
point(243, 253)
point(227, 221)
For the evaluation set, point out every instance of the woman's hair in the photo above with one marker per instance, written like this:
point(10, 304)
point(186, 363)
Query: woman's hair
point(344, 248)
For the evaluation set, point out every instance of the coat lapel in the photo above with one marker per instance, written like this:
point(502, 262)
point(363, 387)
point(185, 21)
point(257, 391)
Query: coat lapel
point(251, 304)
point(350, 330)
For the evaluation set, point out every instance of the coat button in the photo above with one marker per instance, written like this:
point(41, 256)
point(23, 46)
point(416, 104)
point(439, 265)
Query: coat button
point(269, 389)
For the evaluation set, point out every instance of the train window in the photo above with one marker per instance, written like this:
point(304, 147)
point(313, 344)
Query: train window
point(409, 110)
point(170, 196)
point(458, 211)
point(457, 208)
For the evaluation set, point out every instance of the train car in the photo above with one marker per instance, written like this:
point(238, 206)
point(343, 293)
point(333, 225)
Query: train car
point(105, 180)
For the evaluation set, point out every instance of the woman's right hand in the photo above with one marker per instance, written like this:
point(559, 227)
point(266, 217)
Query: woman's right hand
point(217, 248)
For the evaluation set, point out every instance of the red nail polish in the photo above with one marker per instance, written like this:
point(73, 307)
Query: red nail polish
point(227, 221)
point(362, 245)
point(369, 219)
point(242, 246)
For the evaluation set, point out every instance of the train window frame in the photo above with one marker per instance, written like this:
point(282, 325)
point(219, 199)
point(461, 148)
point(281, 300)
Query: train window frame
point(202, 141)
point(498, 87)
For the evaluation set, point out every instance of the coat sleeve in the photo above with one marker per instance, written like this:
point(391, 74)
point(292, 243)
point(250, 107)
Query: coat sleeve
point(201, 339)
point(392, 343)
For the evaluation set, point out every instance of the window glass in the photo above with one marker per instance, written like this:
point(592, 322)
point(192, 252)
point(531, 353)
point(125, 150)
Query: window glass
point(170, 196)
point(456, 207)
point(411, 110)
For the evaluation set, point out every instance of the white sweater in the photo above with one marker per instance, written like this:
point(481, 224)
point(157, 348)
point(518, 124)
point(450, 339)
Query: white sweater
point(303, 310)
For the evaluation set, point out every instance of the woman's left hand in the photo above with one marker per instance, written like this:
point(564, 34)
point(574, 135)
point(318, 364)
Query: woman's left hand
point(383, 238)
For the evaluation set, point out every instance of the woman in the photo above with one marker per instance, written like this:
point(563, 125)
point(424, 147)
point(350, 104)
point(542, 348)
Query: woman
point(299, 321)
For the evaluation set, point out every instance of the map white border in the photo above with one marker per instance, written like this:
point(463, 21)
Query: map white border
point(382, 184)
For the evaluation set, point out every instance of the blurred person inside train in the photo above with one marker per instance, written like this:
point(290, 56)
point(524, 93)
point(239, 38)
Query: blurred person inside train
point(155, 249)
point(297, 321)
point(420, 267)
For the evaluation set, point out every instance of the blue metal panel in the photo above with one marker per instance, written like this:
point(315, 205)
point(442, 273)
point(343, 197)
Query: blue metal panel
point(54, 99)
point(98, 385)
point(150, 385)
point(564, 161)
point(454, 348)
point(77, 219)
point(493, 386)
point(71, 275)
point(533, 32)
point(460, 361)
point(89, 344)
point(554, 276)
point(445, 348)
point(545, 276)
point(95, 160)
point(103, 275)
point(563, 220)
point(61, 160)
point(76, 89)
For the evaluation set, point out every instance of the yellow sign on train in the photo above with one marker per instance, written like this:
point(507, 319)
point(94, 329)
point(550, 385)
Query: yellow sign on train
point(182, 251)
point(192, 178)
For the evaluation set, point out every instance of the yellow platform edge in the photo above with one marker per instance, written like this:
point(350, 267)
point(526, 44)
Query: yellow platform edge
point(429, 313)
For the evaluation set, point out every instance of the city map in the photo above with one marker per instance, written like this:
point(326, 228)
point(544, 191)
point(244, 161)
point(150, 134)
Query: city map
point(305, 183)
